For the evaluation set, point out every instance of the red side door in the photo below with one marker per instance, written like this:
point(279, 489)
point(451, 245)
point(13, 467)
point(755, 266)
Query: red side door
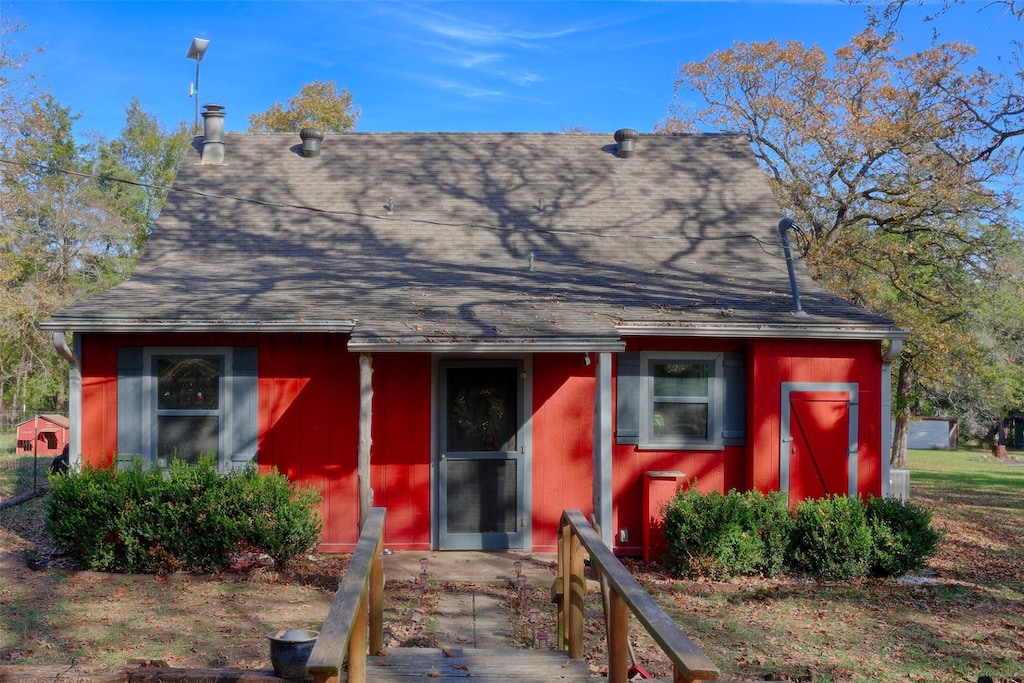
point(821, 441)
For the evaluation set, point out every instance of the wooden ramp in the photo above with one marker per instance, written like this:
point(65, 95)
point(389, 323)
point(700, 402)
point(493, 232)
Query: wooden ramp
point(455, 665)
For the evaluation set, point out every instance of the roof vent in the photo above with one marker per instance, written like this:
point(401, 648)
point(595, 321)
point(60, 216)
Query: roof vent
point(626, 138)
point(213, 135)
point(311, 139)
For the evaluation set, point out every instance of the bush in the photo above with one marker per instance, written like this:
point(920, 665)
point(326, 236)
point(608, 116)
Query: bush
point(718, 536)
point(189, 519)
point(903, 536)
point(832, 539)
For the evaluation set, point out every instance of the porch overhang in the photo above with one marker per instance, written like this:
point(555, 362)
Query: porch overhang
point(474, 346)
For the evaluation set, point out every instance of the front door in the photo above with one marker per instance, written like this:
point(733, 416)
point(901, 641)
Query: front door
point(819, 440)
point(480, 462)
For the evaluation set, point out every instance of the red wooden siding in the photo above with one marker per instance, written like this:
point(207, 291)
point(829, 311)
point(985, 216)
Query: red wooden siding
point(308, 426)
point(771, 362)
point(400, 461)
point(563, 424)
point(713, 470)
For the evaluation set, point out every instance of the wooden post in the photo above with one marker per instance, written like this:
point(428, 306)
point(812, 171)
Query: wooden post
point(377, 603)
point(618, 639)
point(365, 439)
point(564, 540)
point(357, 644)
point(577, 588)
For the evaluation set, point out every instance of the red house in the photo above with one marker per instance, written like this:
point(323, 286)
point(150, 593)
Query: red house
point(480, 330)
point(43, 435)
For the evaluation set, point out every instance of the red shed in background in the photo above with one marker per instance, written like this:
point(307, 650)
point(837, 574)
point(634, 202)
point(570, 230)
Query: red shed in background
point(478, 331)
point(43, 435)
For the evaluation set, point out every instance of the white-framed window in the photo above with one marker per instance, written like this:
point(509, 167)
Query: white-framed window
point(185, 402)
point(682, 400)
point(185, 399)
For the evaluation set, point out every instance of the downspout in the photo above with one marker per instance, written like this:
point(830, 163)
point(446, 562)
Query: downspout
point(889, 354)
point(60, 343)
point(784, 225)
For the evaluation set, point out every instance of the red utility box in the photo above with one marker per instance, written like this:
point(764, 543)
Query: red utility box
point(659, 488)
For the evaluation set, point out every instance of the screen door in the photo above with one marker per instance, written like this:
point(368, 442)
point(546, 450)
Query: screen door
point(480, 501)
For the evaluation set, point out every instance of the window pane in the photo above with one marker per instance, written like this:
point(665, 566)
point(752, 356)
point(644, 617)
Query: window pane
point(186, 437)
point(482, 409)
point(188, 384)
point(681, 378)
point(681, 419)
point(482, 496)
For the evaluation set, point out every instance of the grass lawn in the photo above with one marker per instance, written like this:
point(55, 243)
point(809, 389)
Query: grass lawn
point(960, 619)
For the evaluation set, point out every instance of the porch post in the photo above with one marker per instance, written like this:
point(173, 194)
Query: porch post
point(365, 440)
point(602, 487)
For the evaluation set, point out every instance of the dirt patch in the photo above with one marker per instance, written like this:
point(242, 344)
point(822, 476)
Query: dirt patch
point(961, 619)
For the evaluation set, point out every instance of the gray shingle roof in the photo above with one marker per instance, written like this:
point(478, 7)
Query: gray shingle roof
point(488, 237)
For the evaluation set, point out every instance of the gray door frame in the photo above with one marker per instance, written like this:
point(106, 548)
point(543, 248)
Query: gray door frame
point(522, 539)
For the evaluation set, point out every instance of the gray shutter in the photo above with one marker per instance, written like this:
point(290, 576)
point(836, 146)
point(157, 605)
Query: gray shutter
point(129, 405)
point(627, 398)
point(244, 408)
point(734, 423)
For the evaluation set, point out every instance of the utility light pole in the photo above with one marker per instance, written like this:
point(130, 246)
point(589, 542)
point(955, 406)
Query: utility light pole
point(196, 51)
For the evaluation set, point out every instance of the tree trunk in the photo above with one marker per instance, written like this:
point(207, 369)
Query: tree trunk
point(902, 421)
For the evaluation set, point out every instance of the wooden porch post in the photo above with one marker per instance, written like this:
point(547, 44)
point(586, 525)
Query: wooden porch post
point(602, 455)
point(365, 439)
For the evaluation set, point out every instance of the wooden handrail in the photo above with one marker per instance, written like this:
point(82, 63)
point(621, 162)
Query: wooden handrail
point(575, 534)
point(357, 608)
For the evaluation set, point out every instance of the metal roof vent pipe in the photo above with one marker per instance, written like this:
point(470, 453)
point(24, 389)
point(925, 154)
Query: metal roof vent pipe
point(213, 135)
point(784, 225)
point(311, 139)
point(626, 139)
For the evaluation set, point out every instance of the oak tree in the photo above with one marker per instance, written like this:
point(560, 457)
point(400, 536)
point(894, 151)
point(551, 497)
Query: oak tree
point(317, 105)
point(899, 170)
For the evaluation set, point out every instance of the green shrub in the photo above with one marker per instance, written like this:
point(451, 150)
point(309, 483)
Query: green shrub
point(903, 536)
point(776, 525)
point(187, 519)
point(832, 538)
point(715, 535)
point(272, 515)
point(718, 535)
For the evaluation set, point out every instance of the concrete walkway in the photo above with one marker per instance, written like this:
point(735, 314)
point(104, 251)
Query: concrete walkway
point(470, 566)
point(475, 618)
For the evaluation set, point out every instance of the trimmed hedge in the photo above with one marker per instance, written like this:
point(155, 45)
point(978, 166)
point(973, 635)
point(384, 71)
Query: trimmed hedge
point(718, 536)
point(190, 519)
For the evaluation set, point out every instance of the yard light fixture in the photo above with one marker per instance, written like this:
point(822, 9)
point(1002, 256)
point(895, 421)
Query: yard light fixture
point(196, 51)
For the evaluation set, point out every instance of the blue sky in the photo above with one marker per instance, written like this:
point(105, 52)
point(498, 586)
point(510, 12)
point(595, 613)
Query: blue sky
point(428, 66)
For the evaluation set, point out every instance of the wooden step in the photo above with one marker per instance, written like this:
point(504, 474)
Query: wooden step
point(454, 665)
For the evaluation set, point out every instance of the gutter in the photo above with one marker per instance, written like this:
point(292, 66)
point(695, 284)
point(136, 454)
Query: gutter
point(129, 325)
point(764, 331)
